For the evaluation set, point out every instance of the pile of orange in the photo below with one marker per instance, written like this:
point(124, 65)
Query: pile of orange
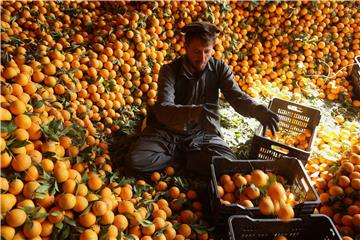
point(339, 188)
point(74, 72)
point(90, 206)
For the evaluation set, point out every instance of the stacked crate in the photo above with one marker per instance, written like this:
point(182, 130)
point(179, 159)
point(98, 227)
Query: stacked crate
point(280, 159)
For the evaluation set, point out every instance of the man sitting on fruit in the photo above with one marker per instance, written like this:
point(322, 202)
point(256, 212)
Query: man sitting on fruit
point(183, 128)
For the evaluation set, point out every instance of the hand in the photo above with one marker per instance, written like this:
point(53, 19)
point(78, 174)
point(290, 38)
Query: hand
point(267, 118)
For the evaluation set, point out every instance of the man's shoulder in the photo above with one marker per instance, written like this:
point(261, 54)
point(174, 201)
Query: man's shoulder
point(216, 63)
point(174, 64)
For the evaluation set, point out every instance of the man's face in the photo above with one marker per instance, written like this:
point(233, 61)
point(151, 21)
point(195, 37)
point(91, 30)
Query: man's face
point(198, 53)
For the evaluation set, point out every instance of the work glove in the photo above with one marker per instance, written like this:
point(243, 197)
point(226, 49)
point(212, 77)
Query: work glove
point(266, 117)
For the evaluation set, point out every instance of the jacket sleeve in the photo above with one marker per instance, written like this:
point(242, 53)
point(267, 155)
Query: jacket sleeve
point(166, 111)
point(240, 101)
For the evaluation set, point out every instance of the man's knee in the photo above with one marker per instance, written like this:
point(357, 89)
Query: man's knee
point(145, 161)
point(136, 160)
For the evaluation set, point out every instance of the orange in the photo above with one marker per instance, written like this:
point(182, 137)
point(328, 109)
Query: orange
point(10, 72)
point(29, 190)
point(155, 176)
point(347, 167)
point(94, 182)
point(252, 192)
point(5, 115)
point(356, 220)
point(81, 204)
point(4, 184)
point(32, 230)
point(6, 159)
point(159, 213)
point(121, 222)
point(285, 212)
point(46, 229)
point(266, 206)
point(61, 174)
point(23, 121)
point(2, 144)
point(276, 191)
point(112, 231)
point(239, 180)
point(21, 162)
point(126, 207)
point(170, 171)
point(67, 201)
point(88, 234)
point(21, 134)
point(355, 183)
point(259, 178)
point(49, 69)
point(32, 173)
point(336, 191)
point(17, 107)
point(16, 217)
point(161, 186)
point(148, 229)
point(69, 186)
point(7, 232)
point(187, 216)
point(174, 192)
point(55, 215)
point(99, 208)
point(185, 230)
point(16, 186)
point(87, 219)
point(126, 192)
point(107, 218)
point(229, 186)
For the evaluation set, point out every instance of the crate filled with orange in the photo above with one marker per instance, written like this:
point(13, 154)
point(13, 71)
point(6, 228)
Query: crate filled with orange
point(261, 188)
point(297, 132)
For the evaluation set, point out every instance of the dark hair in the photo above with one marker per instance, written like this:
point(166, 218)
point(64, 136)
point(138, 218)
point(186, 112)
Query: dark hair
point(204, 36)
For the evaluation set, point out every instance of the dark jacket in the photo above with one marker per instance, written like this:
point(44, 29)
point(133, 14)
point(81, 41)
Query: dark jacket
point(178, 91)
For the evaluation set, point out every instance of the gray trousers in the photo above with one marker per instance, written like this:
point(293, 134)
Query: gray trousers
point(159, 148)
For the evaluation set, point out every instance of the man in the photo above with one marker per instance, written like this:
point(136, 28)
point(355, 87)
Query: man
point(184, 125)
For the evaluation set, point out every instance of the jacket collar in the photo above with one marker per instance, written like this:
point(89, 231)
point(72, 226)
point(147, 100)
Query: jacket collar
point(183, 71)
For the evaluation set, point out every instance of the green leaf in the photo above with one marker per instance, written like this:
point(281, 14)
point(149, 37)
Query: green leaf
point(55, 214)
point(14, 18)
point(17, 143)
point(43, 188)
point(70, 221)
point(38, 104)
point(65, 233)
point(146, 223)
point(27, 209)
point(7, 126)
point(39, 215)
point(53, 188)
point(181, 183)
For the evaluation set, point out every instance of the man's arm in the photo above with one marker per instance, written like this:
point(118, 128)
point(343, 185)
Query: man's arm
point(166, 111)
point(239, 100)
point(242, 102)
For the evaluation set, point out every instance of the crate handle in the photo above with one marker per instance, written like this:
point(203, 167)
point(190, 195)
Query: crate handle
point(295, 108)
point(280, 149)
